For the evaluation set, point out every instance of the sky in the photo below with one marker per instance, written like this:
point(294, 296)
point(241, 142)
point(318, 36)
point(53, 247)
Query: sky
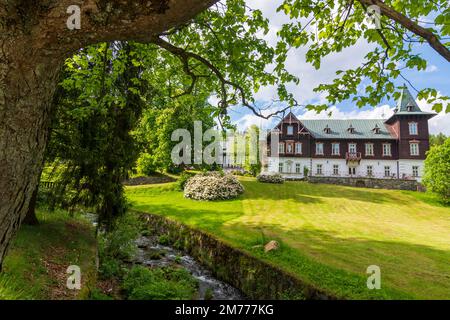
point(437, 75)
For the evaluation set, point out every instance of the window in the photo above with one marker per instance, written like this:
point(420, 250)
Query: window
point(369, 171)
point(335, 149)
point(352, 147)
point(414, 149)
point(387, 149)
point(289, 148)
point(415, 171)
point(280, 167)
point(290, 130)
point(369, 149)
point(319, 148)
point(413, 128)
point(351, 170)
point(297, 168)
point(387, 171)
point(281, 148)
point(298, 148)
point(319, 169)
point(335, 169)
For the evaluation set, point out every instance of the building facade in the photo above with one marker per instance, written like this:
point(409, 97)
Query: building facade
point(378, 148)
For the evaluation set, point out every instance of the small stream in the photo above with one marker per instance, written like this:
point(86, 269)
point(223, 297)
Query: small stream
point(152, 254)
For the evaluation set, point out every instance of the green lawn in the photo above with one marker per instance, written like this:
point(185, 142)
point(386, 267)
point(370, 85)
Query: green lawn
point(329, 234)
point(35, 267)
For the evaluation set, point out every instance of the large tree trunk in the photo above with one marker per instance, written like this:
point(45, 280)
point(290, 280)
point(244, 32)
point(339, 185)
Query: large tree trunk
point(34, 40)
point(30, 217)
point(27, 85)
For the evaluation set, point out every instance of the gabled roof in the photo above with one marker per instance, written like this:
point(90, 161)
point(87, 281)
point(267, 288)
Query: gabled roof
point(363, 129)
point(290, 117)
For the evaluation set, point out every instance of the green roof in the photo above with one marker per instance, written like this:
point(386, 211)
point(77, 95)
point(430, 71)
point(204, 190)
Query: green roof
point(406, 99)
point(407, 105)
point(363, 129)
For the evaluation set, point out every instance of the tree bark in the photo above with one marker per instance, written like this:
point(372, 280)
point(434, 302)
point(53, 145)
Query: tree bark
point(34, 41)
point(30, 218)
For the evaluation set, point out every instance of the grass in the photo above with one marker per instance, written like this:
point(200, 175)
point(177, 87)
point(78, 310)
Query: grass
point(35, 267)
point(329, 234)
point(142, 283)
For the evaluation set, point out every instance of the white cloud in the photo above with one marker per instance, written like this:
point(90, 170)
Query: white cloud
point(296, 61)
point(440, 122)
point(249, 119)
point(431, 68)
point(382, 112)
point(310, 78)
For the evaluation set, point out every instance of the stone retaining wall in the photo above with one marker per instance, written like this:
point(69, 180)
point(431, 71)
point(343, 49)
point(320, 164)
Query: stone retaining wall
point(400, 184)
point(257, 279)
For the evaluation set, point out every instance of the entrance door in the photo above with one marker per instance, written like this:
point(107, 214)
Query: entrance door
point(289, 166)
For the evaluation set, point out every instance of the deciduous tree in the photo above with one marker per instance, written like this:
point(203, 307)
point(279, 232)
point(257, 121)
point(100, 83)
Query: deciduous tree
point(437, 170)
point(35, 41)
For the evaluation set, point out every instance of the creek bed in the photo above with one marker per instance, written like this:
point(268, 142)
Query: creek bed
point(152, 254)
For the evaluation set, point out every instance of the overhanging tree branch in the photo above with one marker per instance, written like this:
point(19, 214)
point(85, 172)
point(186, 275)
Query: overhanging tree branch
point(185, 56)
point(406, 22)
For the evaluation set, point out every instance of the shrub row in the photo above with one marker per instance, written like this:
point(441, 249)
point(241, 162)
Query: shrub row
point(270, 178)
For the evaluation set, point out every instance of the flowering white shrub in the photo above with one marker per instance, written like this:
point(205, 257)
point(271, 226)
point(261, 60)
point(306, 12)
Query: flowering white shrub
point(270, 178)
point(212, 186)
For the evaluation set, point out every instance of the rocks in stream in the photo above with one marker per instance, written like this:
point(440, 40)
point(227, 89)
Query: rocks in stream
point(151, 253)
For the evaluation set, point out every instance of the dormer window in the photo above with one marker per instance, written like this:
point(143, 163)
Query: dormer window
point(376, 129)
point(327, 129)
point(409, 108)
point(351, 129)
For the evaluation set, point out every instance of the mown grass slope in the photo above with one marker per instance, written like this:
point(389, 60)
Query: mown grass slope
point(329, 234)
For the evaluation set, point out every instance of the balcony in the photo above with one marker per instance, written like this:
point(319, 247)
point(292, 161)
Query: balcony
point(353, 157)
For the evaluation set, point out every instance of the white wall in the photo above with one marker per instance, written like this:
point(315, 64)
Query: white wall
point(274, 161)
point(378, 167)
point(405, 166)
point(327, 167)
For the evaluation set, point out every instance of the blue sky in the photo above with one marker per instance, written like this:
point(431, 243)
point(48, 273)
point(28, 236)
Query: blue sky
point(436, 76)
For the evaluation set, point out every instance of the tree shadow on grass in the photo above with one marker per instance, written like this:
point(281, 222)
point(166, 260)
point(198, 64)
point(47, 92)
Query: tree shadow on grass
point(408, 270)
point(310, 193)
point(324, 258)
point(210, 219)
